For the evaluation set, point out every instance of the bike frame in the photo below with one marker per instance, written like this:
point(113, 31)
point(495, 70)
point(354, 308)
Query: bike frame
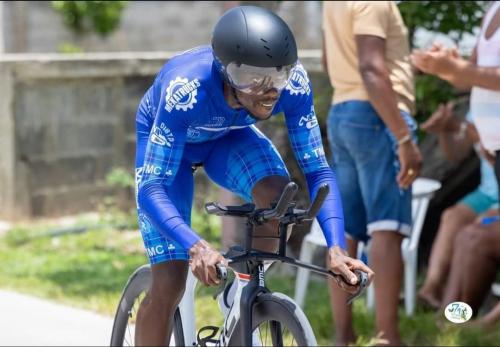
point(248, 265)
point(251, 282)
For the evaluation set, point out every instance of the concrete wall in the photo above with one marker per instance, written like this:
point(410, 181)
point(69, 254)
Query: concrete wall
point(65, 121)
point(33, 26)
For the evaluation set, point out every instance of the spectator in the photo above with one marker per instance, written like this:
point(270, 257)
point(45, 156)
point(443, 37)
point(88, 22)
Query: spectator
point(481, 72)
point(456, 139)
point(477, 249)
point(474, 266)
point(371, 133)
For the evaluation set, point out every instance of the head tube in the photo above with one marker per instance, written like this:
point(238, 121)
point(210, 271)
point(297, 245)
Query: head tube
point(257, 80)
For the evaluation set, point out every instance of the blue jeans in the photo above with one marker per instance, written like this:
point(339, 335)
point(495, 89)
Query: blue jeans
point(366, 161)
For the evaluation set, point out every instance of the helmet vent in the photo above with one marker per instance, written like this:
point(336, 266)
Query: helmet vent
point(263, 40)
point(270, 56)
point(267, 48)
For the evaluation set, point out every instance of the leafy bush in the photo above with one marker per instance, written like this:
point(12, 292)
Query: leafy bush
point(101, 17)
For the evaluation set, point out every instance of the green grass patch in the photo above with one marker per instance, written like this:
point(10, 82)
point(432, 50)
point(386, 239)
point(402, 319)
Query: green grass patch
point(88, 268)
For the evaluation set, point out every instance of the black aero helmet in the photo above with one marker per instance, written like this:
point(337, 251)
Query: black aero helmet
point(253, 47)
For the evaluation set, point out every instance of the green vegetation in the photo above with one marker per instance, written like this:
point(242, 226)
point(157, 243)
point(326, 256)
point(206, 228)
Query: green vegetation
point(101, 17)
point(88, 263)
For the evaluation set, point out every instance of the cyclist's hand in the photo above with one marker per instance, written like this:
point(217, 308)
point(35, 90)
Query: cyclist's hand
point(340, 263)
point(203, 262)
point(410, 160)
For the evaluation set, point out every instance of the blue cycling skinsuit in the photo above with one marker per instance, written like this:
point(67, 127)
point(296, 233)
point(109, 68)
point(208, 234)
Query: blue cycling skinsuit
point(183, 119)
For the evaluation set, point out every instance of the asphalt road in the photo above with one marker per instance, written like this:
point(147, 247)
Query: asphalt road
point(28, 321)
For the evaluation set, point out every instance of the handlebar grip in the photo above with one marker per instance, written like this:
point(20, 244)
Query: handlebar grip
point(362, 283)
point(221, 272)
point(287, 196)
point(318, 200)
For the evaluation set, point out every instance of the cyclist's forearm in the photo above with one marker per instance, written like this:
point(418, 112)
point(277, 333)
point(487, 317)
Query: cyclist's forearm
point(331, 215)
point(154, 201)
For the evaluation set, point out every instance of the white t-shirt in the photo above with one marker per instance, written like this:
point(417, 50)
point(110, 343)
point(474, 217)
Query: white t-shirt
point(485, 103)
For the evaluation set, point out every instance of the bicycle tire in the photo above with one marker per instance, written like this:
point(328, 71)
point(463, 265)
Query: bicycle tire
point(138, 283)
point(277, 307)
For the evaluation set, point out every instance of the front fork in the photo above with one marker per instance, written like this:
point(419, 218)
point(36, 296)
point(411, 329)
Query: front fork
point(249, 294)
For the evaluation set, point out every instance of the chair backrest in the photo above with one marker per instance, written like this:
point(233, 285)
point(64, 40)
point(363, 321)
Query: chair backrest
point(423, 191)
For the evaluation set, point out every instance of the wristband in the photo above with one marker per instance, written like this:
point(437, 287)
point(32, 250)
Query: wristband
point(404, 139)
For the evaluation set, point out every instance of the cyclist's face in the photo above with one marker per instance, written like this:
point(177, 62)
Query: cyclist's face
point(260, 105)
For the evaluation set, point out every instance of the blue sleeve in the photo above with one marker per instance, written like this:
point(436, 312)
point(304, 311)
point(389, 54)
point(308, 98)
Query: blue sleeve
point(306, 143)
point(163, 156)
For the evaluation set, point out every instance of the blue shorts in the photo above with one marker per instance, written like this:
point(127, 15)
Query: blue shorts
point(366, 161)
point(236, 161)
point(479, 202)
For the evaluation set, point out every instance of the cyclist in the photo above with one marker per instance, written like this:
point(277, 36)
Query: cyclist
point(201, 110)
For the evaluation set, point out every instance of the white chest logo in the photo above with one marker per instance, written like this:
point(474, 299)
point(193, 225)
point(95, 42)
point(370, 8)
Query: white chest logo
point(299, 83)
point(181, 94)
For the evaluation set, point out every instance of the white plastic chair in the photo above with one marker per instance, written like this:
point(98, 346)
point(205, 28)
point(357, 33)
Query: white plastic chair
point(423, 191)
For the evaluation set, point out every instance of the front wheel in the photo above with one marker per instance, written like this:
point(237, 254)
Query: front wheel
point(278, 321)
point(123, 333)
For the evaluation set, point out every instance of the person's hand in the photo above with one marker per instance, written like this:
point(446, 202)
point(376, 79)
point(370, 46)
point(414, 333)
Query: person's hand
point(489, 156)
point(340, 263)
point(410, 161)
point(439, 61)
point(442, 120)
point(203, 262)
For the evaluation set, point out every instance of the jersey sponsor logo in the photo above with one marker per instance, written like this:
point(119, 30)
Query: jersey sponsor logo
point(193, 133)
point(217, 121)
point(309, 120)
point(162, 136)
point(307, 156)
point(152, 169)
point(319, 152)
point(144, 223)
point(299, 83)
point(155, 250)
point(181, 94)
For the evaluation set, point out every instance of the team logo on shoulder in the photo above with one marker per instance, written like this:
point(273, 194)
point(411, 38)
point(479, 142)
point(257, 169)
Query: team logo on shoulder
point(299, 82)
point(181, 94)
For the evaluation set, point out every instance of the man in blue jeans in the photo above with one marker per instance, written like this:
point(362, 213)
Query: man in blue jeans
point(371, 134)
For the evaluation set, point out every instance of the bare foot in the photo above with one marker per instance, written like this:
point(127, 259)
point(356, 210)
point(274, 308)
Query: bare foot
point(429, 298)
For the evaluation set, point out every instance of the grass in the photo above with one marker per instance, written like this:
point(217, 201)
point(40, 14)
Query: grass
point(89, 268)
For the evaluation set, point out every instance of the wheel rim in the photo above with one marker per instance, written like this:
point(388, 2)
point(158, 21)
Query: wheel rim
point(129, 337)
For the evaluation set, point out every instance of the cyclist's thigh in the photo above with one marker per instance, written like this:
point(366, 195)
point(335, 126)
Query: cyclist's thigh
point(241, 159)
point(169, 279)
point(180, 192)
